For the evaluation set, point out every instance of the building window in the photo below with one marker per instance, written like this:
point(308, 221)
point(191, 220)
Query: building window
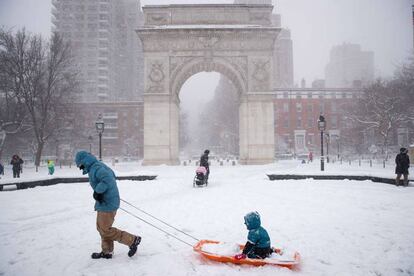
point(110, 135)
point(334, 121)
point(322, 108)
point(402, 136)
point(103, 17)
point(333, 106)
point(285, 107)
point(311, 122)
point(300, 142)
point(311, 138)
point(286, 122)
point(299, 122)
point(298, 107)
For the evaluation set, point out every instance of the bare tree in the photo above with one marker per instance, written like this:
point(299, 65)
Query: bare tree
point(381, 108)
point(41, 75)
point(404, 83)
point(12, 116)
point(12, 111)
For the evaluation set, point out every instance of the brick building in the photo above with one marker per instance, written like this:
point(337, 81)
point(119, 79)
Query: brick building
point(296, 111)
point(122, 136)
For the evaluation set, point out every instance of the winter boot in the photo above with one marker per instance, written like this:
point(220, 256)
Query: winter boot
point(101, 255)
point(134, 246)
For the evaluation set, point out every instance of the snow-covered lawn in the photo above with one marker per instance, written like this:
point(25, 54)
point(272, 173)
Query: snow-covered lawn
point(339, 227)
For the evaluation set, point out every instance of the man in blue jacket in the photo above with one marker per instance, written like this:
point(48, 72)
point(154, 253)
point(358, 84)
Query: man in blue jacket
point(106, 195)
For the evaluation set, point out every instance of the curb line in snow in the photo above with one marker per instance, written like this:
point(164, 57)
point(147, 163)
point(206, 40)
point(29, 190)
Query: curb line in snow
point(59, 180)
point(332, 177)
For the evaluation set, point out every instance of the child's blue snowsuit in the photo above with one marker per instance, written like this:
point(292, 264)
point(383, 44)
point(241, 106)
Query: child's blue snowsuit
point(258, 241)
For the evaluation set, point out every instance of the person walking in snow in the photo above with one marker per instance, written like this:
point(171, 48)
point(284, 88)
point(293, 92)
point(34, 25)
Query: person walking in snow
point(310, 157)
point(16, 163)
point(51, 167)
point(258, 241)
point(105, 192)
point(402, 162)
point(204, 162)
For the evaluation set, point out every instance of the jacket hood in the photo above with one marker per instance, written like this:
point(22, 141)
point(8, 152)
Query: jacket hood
point(86, 159)
point(252, 220)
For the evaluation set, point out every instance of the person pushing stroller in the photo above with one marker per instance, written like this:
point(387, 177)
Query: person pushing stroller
point(204, 163)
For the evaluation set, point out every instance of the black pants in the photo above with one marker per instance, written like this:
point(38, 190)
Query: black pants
point(16, 173)
point(255, 252)
point(259, 253)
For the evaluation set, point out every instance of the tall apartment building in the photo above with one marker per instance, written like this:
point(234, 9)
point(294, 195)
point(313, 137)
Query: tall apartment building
point(282, 56)
point(349, 66)
point(105, 46)
point(412, 22)
point(110, 60)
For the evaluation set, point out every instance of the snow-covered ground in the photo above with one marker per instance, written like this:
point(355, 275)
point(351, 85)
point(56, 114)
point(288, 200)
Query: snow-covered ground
point(339, 227)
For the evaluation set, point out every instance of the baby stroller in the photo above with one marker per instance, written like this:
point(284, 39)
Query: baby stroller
point(200, 178)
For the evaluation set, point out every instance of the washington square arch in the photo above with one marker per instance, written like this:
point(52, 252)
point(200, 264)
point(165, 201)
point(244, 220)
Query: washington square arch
point(180, 41)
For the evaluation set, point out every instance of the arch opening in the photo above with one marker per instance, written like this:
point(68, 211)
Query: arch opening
point(209, 116)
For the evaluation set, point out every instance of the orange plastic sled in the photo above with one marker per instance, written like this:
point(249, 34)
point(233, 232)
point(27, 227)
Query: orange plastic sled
point(291, 264)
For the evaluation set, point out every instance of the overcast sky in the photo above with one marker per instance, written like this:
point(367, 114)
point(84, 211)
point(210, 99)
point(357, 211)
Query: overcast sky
point(382, 26)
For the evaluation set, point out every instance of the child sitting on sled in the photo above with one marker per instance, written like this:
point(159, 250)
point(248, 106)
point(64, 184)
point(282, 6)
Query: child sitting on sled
point(258, 241)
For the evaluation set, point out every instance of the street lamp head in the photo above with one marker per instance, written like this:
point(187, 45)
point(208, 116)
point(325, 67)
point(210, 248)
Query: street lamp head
point(321, 123)
point(100, 125)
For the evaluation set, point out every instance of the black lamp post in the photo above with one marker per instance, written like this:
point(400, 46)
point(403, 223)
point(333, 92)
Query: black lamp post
point(337, 144)
point(327, 147)
point(57, 149)
point(100, 126)
point(90, 138)
point(336, 136)
point(322, 127)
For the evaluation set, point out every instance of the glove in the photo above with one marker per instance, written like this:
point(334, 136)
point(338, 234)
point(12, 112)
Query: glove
point(277, 251)
point(98, 197)
point(240, 256)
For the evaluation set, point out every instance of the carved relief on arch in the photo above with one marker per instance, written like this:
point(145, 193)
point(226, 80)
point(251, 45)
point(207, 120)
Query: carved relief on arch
point(260, 72)
point(200, 64)
point(155, 76)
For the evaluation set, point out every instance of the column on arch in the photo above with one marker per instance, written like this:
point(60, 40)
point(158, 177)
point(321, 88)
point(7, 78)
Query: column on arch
point(256, 129)
point(161, 114)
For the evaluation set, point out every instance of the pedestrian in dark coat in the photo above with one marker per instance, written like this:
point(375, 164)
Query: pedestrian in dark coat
point(1, 169)
point(204, 162)
point(105, 192)
point(402, 162)
point(16, 162)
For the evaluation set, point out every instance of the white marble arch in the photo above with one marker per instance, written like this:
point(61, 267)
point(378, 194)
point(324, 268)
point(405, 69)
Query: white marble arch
point(180, 41)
